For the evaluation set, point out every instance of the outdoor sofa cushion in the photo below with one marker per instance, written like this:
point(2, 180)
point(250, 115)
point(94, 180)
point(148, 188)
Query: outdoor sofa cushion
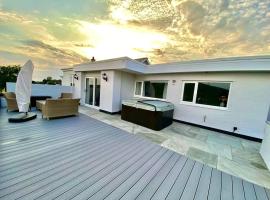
point(60, 108)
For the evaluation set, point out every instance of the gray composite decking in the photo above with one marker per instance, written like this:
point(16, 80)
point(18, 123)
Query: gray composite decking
point(82, 158)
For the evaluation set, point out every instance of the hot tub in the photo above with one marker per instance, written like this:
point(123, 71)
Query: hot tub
point(153, 114)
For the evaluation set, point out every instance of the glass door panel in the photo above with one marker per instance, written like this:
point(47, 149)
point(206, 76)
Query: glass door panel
point(97, 92)
point(89, 91)
point(92, 91)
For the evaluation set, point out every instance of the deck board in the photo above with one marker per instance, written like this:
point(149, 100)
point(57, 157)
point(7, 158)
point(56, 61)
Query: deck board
point(249, 191)
point(260, 193)
point(204, 183)
point(180, 183)
point(83, 158)
point(226, 187)
point(166, 185)
point(215, 185)
point(154, 184)
point(191, 186)
point(268, 193)
point(238, 189)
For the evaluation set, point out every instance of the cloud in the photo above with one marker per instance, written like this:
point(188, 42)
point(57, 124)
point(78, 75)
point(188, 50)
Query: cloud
point(164, 31)
point(26, 38)
point(200, 29)
point(61, 57)
point(84, 45)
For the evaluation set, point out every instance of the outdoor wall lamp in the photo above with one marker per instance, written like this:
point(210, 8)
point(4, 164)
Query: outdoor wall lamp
point(75, 76)
point(105, 77)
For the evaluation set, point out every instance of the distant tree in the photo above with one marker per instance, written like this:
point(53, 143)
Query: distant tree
point(8, 74)
point(50, 81)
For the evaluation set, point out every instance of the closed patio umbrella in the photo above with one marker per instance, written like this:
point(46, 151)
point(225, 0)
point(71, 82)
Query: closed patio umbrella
point(23, 93)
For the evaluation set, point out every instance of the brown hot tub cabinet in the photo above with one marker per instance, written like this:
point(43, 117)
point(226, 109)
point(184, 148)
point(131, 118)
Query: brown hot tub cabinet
point(153, 114)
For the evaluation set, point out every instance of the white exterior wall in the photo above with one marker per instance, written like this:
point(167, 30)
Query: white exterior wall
point(266, 145)
point(110, 91)
point(67, 79)
point(78, 86)
point(127, 85)
point(44, 90)
point(119, 86)
point(248, 102)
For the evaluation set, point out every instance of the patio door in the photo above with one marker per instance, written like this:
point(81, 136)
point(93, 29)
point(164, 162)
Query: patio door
point(92, 91)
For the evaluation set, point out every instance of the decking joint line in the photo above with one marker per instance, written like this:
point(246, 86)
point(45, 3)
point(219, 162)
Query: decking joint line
point(210, 183)
point(221, 185)
point(243, 189)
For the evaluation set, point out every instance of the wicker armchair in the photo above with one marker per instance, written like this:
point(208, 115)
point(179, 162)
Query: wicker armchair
point(66, 96)
point(11, 101)
point(52, 108)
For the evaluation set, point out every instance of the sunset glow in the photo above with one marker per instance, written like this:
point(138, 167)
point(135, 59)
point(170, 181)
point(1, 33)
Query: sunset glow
point(59, 34)
point(113, 40)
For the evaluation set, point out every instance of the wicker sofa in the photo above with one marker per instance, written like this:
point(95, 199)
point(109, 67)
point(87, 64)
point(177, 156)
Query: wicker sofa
point(52, 108)
point(11, 101)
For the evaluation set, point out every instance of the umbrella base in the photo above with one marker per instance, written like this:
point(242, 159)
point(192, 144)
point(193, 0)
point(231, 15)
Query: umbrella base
point(22, 117)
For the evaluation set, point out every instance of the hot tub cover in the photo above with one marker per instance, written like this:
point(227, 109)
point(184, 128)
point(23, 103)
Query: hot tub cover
point(152, 105)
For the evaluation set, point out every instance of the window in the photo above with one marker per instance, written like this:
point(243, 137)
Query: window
point(138, 88)
point(188, 92)
point(155, 89)
point(151, 89)
point(206, 93)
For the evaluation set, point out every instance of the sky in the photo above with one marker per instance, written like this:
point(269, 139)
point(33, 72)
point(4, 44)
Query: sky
point(57, 34)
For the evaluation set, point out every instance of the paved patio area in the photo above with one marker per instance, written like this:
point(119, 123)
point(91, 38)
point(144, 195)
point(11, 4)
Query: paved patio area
point(236, 156)
point(84, 158)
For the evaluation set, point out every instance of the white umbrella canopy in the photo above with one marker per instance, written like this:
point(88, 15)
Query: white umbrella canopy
point(24, 86)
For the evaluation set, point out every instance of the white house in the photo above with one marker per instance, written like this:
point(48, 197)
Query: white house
point(230, 94)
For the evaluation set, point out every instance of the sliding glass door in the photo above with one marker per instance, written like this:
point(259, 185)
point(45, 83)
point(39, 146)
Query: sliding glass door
point(92, 91)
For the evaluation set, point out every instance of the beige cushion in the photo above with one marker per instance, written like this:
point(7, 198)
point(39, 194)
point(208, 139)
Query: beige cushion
point(60, 107)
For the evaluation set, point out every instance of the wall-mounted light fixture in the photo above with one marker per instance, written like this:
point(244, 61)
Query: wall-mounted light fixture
point(75, 76)
point(105, 77)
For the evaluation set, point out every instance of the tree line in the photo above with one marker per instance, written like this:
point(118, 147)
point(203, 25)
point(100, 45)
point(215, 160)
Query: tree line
point(9, 73)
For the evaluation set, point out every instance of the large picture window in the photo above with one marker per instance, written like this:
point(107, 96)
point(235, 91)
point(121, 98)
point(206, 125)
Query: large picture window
point(151, 89)
point(206, 93)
